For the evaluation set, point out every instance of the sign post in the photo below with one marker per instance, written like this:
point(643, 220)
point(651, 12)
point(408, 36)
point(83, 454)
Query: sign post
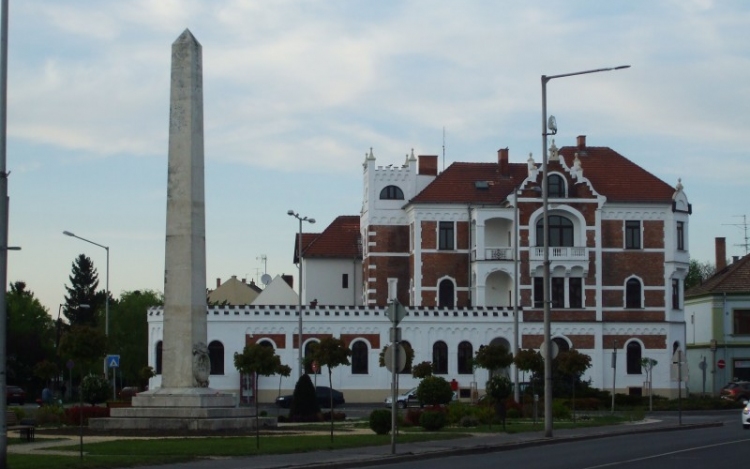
point(113, 361)
point(395, 312)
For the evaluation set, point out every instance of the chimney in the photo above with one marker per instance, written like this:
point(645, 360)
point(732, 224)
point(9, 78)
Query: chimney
point(288, 279)
point(735, 259)
point(502, 161)
point(581, 140)
point(428, 165)
point(244, 280)
point(721, 254)
point(218, 282)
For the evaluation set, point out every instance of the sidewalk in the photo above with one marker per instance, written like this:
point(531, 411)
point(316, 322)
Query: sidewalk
point(378, 455)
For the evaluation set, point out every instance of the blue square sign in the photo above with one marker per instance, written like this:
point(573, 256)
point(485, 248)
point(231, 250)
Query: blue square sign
point(113, 361)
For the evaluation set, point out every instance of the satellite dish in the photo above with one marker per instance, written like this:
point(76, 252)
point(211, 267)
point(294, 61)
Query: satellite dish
point(266, 279)
point(552, 125)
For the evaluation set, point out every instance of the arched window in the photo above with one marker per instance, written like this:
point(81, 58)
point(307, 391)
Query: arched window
point(407, 368)
point(633, 294)
point(359, 358)
point(633, 358)
point(562, 344)
point(440, 358)
point(555, 186)
point(465, 355)
point(159, 348)
point(560, 231)
point(391, 193)
point(446, 294)
point(308, 363)
point(266, 343)
point(216, 356)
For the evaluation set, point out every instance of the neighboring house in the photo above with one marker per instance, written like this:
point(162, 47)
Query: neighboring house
point(234, 292)
point(277, 292)
point(334, 258)
point(463, 249)
point(718, 324)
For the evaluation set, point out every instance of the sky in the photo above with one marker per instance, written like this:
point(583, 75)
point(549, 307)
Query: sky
point(296, 92)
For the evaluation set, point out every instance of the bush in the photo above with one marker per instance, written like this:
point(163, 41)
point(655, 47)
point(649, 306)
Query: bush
point(434, 390)
point(74, 414)
point(559, 410)
point(380, 421)
point(95, 389)
point(305, 406)
point(457, 411)
point(432, 420)
point(468, 421)
point(50, 415)
point(412, 417)
point(513, 413)
point(337, 416)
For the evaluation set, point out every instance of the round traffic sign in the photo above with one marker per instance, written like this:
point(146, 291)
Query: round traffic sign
point(721, 364)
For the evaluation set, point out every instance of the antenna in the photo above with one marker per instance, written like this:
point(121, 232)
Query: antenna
point(742, 225)
point(443, 148)
point(264, 260)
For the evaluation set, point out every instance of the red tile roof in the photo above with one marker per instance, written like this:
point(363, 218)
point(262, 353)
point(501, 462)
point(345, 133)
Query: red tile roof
point(610, 173)
point(307, 238)
point(340, 239)
point(735, 278)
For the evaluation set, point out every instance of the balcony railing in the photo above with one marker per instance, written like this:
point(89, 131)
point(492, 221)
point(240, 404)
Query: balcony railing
point(498, 254)
point(561, 253)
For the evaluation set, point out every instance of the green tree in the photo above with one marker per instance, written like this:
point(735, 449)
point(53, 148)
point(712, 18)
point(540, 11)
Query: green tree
point(409, 355)
point(530, 361)
point(570, 366)
point(259, 360)
point(128, 332)
point(83, 304)
point(698, 272)
point(422, 370)
point(94, 389)
point(331, 352)
point(434, 390)
point(86, 346)
point(493, 357)
point(30, 337)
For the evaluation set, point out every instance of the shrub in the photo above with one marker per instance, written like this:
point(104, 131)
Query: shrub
point(432, 420)
point(513, 413)
point(95, 389)
point(50, 415)
point(337, 416)
point(74, 414)
point(468, 421)
point(457, 411)
point(380, 421)
point(434, 390)
point(412, 417)
point(304, 402)
point(559, 410)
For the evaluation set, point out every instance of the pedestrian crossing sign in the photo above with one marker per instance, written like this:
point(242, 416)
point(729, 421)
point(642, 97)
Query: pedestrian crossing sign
point(113, 361)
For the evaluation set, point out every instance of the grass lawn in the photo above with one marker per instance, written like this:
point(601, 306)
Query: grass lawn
point(129, 453)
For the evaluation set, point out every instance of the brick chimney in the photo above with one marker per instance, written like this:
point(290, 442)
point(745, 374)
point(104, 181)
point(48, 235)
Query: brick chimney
point(581, 140)
point(428, 165)
point(721, 254)
point(218, 282)
point(502, 161)
point(288, 279)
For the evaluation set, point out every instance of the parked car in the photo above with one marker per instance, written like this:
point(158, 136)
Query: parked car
point(736, 391)
point(746, 416)
point(323, 395)
point(410, 398)
point(14, 395)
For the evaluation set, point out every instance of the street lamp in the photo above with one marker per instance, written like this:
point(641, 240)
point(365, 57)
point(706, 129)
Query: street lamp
point(106, 300)
point(296, 215)
point(552, 127)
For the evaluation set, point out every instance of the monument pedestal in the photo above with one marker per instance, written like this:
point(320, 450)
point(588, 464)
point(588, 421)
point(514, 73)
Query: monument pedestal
point(191, 409)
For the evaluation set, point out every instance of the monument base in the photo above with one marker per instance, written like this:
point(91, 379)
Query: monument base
point(191, 409)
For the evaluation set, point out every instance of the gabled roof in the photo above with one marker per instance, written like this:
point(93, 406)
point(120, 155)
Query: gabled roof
point(307, 238)
point(734, 278)
point(340, 239)
point(611, 175)
point(234, 292)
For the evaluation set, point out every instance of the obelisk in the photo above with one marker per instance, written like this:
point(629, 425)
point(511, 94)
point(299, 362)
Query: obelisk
point(185, 248)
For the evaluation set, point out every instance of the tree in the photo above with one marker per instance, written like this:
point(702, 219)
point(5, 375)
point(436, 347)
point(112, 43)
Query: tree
point(128, 332)
point(422, 370)
point(331, 352)
point(86, 346)
point(409, 355)
point(30, 337)
point(698, 272)
point(259, 360)
point(83, 303)
point(499, 388)
point(434, 390)
point(493, 357)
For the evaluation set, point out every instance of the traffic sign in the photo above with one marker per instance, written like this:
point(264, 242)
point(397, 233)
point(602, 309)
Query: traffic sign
point(396, 312)
point(721, 364)
point(113, 361)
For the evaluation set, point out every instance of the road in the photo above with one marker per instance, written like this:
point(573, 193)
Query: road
point(725, 446)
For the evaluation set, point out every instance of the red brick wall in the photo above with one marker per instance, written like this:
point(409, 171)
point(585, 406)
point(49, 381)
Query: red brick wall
point(559, 315)
point(440, 264)
point(374, 339)
point(462, 235)
point(617, 266)
point(612, 235)
point(653, 234)
point(389, 239)
point(305, 337)
point(632, 315)
point(429, 235)
point(278, 339)
point(649, 341)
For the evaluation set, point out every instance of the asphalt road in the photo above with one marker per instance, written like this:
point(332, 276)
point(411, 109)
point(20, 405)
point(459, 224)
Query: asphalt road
point(725, 446)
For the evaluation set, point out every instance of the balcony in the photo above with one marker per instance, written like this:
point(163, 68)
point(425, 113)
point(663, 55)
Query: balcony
point(498, 254)
point(561, 253)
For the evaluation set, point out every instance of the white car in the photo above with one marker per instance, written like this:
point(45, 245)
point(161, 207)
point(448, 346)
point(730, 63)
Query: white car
point(746, 416)
point(410, 398)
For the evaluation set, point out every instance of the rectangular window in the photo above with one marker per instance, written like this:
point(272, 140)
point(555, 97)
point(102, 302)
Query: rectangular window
point(575, 292)
point(445, 236)
point(742, 321)
point(345, 281)
point(558, 292)
point(632, 234)
point(538, 292)
point(681, 235)
point(675, 293)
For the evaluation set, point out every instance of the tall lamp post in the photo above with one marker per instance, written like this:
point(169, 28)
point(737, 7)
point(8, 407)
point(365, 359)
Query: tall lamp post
point(552, 127)
point(296, 215)
point(106, 300)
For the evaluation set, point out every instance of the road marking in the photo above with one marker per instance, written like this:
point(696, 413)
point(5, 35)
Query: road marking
point(627, 461)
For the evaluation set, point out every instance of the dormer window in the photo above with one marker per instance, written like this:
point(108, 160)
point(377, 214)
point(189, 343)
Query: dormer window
point(391, 193)
point(556, 185)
